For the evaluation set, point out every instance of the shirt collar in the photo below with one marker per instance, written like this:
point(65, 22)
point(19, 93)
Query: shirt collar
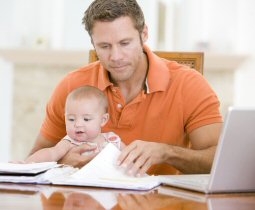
point(158, 74)
point(103, 78)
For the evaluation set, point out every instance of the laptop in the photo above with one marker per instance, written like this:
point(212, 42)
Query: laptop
point(233, 168)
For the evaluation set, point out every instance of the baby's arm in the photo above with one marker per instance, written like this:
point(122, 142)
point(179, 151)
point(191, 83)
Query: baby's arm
point(52, 153)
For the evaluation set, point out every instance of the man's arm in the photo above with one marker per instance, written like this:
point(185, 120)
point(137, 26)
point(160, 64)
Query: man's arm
point(139, 156)
point(200, 157)
point(73, 157)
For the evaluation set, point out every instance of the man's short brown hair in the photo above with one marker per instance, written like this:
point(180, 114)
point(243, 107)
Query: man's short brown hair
point(109, 10)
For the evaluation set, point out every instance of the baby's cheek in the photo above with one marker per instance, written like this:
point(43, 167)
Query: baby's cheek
point(71, 133)
point(92, 133)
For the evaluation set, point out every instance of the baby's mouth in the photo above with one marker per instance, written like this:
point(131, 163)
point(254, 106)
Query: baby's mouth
point(79, 132)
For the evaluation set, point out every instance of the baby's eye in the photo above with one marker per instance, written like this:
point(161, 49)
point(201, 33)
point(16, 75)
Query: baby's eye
point(71, 120)
point(86, 119)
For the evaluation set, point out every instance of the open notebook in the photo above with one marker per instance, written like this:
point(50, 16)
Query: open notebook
point(99, 172)
point(102, 171)
point(233, 168)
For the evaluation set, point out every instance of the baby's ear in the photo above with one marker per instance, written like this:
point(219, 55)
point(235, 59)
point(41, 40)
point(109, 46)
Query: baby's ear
point(105, 119)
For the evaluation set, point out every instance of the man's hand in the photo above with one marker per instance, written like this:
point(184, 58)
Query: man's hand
point(139, 156)
point(75, 158)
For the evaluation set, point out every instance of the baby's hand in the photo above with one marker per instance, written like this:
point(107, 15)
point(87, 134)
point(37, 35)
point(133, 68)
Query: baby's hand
point(95, 150)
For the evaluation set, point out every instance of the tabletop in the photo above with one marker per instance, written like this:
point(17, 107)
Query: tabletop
point(47, 197)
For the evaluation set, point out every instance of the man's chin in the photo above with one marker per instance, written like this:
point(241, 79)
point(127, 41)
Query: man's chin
point(120, 77)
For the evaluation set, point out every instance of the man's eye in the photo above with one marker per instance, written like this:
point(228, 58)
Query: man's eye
point(124, 43)
point(104, 46)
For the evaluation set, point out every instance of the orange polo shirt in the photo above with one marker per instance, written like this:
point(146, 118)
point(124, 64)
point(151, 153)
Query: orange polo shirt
point(177, 101)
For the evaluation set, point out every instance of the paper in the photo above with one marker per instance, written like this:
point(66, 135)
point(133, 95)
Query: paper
point(37, 179)
point(103, 172)
point(99, 172)
point(28, 168)
point(42, 178)
point(24, 174)
point(103, 165)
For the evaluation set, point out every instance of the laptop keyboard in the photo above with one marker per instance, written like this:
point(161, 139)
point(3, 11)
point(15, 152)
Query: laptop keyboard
point(196, 180)
point(193, 179)
point(201, 179)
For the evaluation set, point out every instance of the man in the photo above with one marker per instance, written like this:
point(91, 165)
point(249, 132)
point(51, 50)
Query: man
point(153, 103)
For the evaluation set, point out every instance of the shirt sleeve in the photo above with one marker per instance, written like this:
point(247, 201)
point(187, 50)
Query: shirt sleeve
point(53, 127)
point(201, 105)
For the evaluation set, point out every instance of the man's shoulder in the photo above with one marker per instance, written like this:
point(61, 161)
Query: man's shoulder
point(178, 71)
point(164, 65)
point(87, 75)
point(90, 69)
point(181, 70)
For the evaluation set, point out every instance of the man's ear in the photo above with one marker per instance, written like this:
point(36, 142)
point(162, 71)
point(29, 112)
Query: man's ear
point(91, 41)
point(144, 34)
point(105, 119)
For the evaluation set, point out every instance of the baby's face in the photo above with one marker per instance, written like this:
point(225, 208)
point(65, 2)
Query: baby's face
point(84, 119)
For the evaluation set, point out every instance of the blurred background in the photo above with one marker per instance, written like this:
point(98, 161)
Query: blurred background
point(43, 40)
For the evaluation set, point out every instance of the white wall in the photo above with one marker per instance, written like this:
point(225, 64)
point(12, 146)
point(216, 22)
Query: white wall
point(245, 76)
point(6, 79)
point(55, 24)
point(211, 25)
point(218, 27)
point(245, 87)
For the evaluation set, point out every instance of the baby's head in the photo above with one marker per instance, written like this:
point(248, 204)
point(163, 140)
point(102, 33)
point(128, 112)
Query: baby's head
point(85, 113)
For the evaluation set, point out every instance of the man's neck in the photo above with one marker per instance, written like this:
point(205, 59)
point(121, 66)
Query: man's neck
point(130, 89)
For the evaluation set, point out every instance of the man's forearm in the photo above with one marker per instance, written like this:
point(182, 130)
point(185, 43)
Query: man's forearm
point(191, 161)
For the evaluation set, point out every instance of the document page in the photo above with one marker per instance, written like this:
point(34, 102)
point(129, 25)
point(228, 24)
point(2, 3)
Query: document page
point(103, 165)
point(102, 171)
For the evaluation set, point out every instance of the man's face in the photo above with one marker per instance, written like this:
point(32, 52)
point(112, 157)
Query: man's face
point(119, 48)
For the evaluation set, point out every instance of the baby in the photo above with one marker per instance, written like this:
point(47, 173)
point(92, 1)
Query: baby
point(86, 112)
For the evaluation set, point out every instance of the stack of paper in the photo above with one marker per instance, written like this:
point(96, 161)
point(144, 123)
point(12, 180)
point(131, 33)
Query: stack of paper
point(103, 172)
point(29, 168)
point(26, 173)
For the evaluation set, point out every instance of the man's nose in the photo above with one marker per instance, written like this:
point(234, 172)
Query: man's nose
point(115, 54)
